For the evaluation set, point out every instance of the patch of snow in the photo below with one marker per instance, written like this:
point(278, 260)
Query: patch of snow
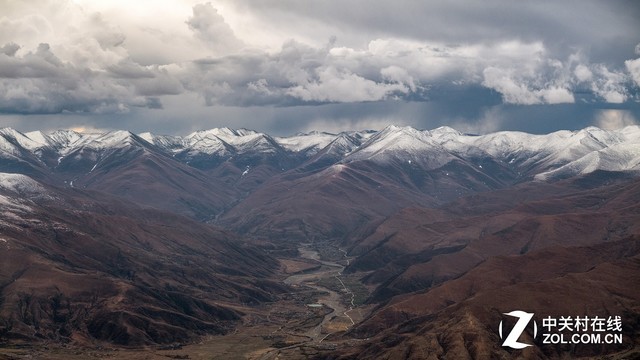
point(111, 139)
point(19, 183)
point(11, 205)
point(343, 145)
point(66, 140)
point(219, 140)
point(546, 156)
point(37, 136)
point(21, 139)
point(620, 157)
point(148, 137)
point(402, 143)
point(169, 143)
point(311, 142)
point(205, 142)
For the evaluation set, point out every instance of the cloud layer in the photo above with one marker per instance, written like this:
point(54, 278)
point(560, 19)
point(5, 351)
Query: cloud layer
point(59, 57)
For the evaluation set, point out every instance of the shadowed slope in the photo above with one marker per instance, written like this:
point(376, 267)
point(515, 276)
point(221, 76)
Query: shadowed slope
point(79, 267)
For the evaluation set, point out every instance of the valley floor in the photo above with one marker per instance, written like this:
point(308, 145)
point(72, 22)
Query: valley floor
point(300, 325)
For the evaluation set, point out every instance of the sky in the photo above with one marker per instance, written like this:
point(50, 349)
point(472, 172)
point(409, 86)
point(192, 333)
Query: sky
point(289, 66)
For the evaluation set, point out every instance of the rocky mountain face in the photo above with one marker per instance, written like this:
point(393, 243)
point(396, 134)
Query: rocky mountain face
point(570, 247)
point(79, 264)
point(131, 238)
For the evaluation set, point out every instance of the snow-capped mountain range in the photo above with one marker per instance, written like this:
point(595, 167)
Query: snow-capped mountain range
point(415, 210)
point(556, 155)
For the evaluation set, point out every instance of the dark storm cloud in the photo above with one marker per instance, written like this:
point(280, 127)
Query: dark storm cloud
point(577, 22)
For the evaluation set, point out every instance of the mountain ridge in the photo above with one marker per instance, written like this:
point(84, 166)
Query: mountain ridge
point(560, 147)
point(228, 168)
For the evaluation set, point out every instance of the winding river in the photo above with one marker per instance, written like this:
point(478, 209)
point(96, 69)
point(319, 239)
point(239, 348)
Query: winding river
point(330, 298)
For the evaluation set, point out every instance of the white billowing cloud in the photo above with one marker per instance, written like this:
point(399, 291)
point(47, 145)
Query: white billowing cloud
point(539, 79)
point(512, 90)
point(610, 85)
point(23, 30)
point(583, 73)
point(398, 75)
point(40, 82)
point(633, 67)
point(556, 95)
point(155, 32)
point(333, 85)
point(211, 27)
point(83, 39)
point(516, 89)
point(387, 68)
point(58, 58)
point(612, 119)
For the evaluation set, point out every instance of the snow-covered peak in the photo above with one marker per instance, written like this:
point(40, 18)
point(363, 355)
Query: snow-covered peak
point(226, 134)
point(66, 137)
point(205, 143)
point(7, 146)
point(631, 132)
point(343, 144)
point(445, 134)
point(598, 137)
point(310, 142)
point(561, 153)
point(620, 157)
point(499, 144)
point(404, 144)
point(25, 142)
point(37, 136)
point(200, 134)
point(59, 139)
point(166, 142)
point(241, 140)
point(110, 139)
point(445, 131)
point(256, 142)
point(148, 137)
point(244, 132)
point(406, 139)
point(17, 144)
